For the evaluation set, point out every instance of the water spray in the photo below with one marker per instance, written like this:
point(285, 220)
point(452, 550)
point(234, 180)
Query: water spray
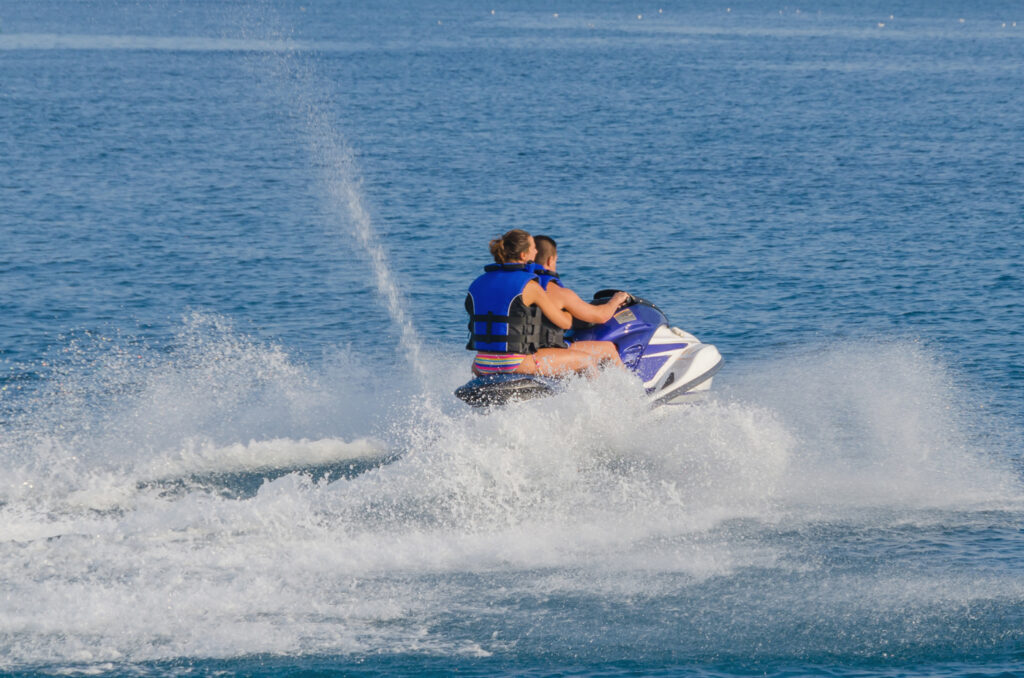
point(343, 182)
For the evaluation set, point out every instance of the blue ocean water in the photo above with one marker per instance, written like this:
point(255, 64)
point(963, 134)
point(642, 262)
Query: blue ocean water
point(234, 244)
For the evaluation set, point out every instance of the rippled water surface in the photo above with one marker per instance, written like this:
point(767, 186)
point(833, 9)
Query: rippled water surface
point(234, 243)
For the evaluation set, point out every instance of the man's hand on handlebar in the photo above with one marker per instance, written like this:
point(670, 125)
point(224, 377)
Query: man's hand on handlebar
point(620, 299)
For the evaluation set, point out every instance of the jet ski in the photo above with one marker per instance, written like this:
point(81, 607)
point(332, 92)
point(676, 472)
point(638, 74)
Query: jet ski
point(673, 364)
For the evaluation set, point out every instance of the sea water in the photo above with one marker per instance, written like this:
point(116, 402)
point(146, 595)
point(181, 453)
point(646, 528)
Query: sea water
point(234, 244)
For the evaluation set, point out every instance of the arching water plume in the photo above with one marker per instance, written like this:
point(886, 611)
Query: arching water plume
point(303, 92)
point(343, 183)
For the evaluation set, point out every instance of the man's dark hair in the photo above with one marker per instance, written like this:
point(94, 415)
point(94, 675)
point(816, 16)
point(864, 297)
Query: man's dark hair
point(546, 248)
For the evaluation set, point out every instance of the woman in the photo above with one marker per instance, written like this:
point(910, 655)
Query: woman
point(506, 306)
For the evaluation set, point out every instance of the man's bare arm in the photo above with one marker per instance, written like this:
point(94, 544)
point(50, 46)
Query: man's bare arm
point(580, 309)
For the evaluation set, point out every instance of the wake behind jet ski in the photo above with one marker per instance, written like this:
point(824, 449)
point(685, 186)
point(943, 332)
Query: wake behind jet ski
point(673, 364)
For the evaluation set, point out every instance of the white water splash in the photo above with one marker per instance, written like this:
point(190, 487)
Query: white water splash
point(589, 494)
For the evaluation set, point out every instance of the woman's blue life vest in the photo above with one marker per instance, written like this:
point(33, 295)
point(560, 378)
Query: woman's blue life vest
point(551, 335)
point(499, 321)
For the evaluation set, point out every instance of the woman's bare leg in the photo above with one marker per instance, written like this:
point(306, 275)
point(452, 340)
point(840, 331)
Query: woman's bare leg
point(553, 362)
point(604, 350)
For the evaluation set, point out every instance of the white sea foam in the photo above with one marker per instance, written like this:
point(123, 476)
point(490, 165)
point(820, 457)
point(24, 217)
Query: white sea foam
point(205, 457)
point(589, 493)
point(184, 43)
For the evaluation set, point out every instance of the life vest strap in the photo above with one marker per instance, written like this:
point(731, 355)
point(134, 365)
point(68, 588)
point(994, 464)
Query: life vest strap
point(491, 318)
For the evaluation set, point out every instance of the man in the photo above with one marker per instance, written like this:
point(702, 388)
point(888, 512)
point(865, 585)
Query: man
point(553, 336)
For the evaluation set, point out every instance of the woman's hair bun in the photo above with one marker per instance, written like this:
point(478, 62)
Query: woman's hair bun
point(510, 246)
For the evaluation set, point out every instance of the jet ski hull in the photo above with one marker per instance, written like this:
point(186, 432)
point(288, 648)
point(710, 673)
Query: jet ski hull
point(494, 390)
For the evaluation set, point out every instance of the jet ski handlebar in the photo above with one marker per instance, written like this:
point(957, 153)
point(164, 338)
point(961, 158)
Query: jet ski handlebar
point(604, 295)
point(631, 300)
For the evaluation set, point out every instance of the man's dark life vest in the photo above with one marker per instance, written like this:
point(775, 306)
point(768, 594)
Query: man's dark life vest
point(551, 335)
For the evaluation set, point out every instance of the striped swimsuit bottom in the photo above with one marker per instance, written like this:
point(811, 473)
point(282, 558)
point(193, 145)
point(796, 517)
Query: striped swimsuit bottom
point(497, 363)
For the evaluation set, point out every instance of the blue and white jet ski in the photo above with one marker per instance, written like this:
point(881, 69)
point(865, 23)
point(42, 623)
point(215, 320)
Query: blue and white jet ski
point(674, 365)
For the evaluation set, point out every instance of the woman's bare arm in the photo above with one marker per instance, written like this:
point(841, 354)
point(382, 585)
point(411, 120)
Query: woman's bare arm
point(533, 293)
